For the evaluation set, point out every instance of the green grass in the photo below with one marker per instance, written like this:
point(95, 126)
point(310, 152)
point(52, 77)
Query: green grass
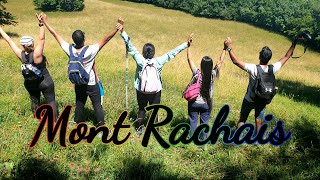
point(297, 102)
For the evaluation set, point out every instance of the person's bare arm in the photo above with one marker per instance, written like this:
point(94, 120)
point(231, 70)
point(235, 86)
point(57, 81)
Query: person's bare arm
point(39, 49)
point(110, 35)
point(189, 56)
point(221, 59)
point(13, 46)
point(50, 29)
point(289, 53)
point(234, 58)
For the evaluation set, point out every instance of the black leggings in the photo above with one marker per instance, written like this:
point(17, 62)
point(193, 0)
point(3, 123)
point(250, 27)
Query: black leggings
point(46, 86)
point(82, 93)
point(143, 100)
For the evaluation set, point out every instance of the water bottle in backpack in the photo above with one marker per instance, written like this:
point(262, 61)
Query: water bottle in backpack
point(28, 70)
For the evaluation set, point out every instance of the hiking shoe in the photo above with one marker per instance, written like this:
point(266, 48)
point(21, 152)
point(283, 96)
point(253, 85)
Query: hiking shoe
point(99, 135)
point(140, 130)
point(73, 123)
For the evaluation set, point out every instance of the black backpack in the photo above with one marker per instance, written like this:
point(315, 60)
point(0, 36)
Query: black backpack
point(29, 71)
point(264, 88)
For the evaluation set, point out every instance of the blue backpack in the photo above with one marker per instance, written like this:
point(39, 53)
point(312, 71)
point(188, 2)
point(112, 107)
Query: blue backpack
point(76, 71)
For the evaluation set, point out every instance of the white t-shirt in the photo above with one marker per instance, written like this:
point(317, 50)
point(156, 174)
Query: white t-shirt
point(88, 61)
point(252, 70)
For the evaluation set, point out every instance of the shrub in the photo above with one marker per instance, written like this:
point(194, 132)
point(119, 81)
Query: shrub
point(59, 5)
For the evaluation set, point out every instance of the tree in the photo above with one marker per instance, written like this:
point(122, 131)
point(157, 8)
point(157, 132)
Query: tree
point(5, 17)
point(59, 5)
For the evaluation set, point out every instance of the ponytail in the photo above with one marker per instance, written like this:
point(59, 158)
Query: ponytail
point(206, 72)
point(148, 51)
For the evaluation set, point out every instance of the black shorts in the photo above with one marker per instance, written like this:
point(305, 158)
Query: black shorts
point(248, 106)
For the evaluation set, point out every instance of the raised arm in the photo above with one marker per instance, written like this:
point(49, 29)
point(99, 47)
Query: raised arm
point(171, 54)
point(221, 59)
point(39, 49)
point(13, 46)
point(110, 35)
point(50, 29)
point(289, 53)
point(131, 49)
point(189, 56)
point(235, 60)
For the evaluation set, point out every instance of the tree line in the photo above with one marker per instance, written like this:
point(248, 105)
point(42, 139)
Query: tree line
point(6, 18)
point(288, 17)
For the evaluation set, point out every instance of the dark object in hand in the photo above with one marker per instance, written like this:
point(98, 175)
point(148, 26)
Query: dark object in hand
point(305, 39)
point(305, 35)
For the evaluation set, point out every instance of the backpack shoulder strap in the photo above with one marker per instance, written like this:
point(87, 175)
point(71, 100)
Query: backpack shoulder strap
point(24, 57)
point(83, 51)
point(270, 69)
point(31, 58)
point(259, 70)
point(70, 51)
point(198, 75)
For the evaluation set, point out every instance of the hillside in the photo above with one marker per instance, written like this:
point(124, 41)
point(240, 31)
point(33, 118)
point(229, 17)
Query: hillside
point(297, 103)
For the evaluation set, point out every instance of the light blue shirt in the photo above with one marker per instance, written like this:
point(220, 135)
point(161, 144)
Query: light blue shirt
point(140, 60)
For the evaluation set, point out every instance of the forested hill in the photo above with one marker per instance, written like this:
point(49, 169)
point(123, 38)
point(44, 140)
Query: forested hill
point(288, 17)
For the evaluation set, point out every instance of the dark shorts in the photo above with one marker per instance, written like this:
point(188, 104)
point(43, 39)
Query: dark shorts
point(246, 108)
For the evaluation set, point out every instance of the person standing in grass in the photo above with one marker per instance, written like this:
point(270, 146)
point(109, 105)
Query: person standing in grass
point(142, 61)
point(250, 101)
point(93, 89)
point(202, 105)
point(33, 59)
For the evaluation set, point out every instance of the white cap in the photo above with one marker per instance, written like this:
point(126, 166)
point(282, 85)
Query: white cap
point(26, 41)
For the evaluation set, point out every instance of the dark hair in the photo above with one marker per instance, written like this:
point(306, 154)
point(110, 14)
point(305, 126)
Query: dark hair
point(206, 72)
point(148, 51)
point(265, 55)
point(78, 38)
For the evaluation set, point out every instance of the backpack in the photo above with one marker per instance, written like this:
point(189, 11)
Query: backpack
point(29, 71)
point(149, 78)
point(264, 88)
point(76, 71)
point(192, 90)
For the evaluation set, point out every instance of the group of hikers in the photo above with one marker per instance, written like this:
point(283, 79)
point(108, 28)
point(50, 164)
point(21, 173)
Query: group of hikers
point(148, 77)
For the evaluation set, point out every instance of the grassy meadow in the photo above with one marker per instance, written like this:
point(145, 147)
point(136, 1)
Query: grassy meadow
point(297, 103)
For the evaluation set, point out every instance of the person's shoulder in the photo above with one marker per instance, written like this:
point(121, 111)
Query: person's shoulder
point(276, 66)
point(65, 44)
point(195, 70)
point(250, 67)
point(93, 47)
point(215, 71)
